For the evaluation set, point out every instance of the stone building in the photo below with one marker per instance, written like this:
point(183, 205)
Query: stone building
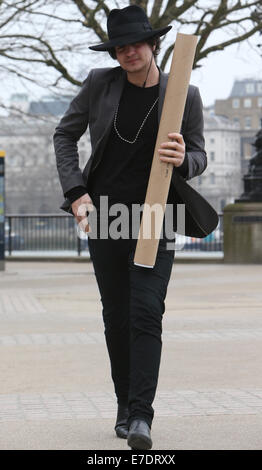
point(221, 181)
point(244, 106)
point(32, 183)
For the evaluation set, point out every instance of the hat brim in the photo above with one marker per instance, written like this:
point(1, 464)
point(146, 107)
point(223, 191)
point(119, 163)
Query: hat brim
point(129, 39)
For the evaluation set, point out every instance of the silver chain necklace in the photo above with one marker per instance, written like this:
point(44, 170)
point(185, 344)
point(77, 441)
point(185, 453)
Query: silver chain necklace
point(140, 128)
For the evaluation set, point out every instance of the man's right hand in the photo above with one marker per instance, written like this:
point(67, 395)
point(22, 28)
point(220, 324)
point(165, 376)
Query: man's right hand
point(79, 208)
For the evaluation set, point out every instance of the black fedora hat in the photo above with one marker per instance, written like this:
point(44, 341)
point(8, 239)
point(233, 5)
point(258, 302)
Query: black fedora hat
point(126, 26)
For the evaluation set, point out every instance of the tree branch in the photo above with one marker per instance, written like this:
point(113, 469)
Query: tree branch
point(140, 3)
point(223, 45)
point(172, 12)
point(156, 11)
point(89, 15)
point(44, 47)
point(54, 62)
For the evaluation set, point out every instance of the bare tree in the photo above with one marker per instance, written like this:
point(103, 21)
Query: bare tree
point(258, 13)
point(44, 41)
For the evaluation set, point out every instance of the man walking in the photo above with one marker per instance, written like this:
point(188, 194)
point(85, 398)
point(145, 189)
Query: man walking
point(122, 106)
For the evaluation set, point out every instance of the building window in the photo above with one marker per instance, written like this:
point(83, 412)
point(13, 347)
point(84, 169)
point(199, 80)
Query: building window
point(212, 156)
point(236, 103)
point(212, 140)
point(259, 102)
point(259, 87)
point(247, 150)
point(212, 178)
point(222, 203)
point(236, 120)
point(247, 122)
point(250, 87)
point(11, 160)
point(199, 180)
point(247, 103)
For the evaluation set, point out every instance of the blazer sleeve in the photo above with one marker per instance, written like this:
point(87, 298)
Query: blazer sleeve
point(69, 130)
point(196, 160)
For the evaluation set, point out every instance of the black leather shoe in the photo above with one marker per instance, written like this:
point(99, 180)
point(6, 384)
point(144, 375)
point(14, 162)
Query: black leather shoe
point(139, 435)
point(121, 428)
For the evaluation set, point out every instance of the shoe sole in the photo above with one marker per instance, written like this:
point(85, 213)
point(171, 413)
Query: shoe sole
point(138, 441)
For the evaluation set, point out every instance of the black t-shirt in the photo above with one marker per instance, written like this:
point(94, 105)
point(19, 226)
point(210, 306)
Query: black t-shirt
point(123, 173)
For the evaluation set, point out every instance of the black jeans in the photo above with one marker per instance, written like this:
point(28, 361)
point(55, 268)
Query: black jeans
point(133, 305)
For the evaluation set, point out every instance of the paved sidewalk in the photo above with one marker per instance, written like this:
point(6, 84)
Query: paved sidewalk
point(56, 389)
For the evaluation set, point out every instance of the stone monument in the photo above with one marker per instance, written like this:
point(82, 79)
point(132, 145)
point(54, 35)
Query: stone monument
point(243, 218)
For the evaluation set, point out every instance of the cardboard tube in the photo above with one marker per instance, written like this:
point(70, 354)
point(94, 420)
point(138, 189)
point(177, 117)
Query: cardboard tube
point(161, 172)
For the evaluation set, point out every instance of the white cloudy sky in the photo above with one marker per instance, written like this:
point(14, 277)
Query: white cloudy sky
point(215, 79)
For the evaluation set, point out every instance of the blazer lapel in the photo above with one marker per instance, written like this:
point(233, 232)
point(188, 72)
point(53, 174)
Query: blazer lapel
point(113, 96)
point(111, 101)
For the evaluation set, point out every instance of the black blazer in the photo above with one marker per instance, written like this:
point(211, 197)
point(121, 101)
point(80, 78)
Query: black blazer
point(95, 106)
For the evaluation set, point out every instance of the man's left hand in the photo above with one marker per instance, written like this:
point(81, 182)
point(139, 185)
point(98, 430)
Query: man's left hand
point(174, 150)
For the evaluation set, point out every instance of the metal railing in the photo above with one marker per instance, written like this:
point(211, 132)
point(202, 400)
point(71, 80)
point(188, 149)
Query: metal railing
point(43, 232)
point(58, 233)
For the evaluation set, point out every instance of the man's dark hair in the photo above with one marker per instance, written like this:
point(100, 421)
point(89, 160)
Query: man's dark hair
point(151, 41)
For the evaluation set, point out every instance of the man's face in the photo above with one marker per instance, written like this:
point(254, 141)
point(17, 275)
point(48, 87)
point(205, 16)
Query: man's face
point(134, 57)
